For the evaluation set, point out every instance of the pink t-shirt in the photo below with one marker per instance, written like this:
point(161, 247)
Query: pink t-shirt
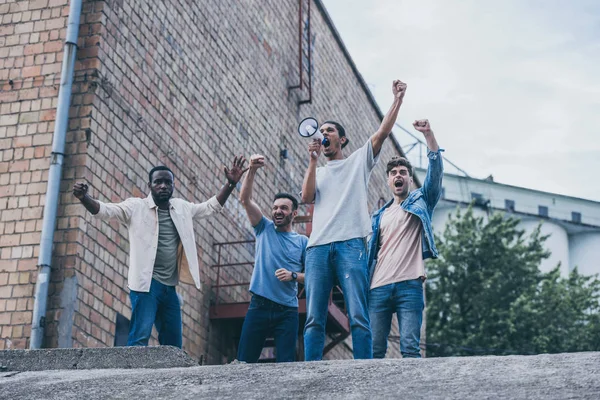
point(400, 256)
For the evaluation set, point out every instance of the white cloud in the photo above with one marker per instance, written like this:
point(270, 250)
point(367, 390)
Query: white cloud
point(511, 87)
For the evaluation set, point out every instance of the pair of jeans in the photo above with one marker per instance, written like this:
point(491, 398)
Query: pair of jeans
point(160, 306)
point(406, 300)
point(346, 261)
point(265, 318)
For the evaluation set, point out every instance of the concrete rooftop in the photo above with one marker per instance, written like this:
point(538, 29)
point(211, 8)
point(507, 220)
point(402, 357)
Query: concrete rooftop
point(557, 376)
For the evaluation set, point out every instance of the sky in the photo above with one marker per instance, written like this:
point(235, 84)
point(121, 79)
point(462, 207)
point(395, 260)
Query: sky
point(511, 87)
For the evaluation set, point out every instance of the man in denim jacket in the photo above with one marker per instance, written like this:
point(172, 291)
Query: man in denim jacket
point(402, 239)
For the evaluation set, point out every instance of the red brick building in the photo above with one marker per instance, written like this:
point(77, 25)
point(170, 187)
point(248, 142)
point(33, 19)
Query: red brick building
point(188, 84)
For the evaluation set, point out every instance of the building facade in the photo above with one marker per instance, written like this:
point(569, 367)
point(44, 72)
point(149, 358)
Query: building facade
point(572, 223)
point(187, 84)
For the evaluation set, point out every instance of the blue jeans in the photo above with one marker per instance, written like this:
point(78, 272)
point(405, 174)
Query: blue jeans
point(160, 306)
point(406, 300)
point(346, 261)
point(266, 318)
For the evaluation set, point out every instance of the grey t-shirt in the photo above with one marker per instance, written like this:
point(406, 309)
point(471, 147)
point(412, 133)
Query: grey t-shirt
point(341, 210)
point(165, 266)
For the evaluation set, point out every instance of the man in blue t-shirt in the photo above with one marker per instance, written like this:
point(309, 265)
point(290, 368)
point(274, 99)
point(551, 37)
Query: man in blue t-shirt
point(279, 262)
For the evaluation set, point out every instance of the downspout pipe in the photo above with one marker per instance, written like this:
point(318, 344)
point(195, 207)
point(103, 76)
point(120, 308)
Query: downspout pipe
point(54, 176)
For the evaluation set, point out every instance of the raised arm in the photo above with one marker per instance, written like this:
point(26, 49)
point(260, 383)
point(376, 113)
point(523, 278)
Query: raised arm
point(233, 176)
point(309, 186)
point(432, 185)
point(252, 209)
point(385, 129)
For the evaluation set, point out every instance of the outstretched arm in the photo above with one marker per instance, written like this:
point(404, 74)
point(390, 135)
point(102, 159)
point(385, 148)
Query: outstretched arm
point(252, 209)
point(385, 129)
point(309, 186)
point(233, 176)
point(119, 211)
point(80, 191)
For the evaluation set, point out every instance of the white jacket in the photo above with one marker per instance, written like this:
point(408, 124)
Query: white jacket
point(141, 218)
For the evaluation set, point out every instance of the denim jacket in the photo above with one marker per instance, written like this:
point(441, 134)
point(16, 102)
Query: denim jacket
point(420, 202)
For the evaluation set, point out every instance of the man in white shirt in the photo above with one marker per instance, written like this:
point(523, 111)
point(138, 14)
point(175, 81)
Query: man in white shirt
point(341, 222)
point(162, 249)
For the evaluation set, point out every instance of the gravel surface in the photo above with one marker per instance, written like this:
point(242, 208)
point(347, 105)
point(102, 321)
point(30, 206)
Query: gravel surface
point(557, 376)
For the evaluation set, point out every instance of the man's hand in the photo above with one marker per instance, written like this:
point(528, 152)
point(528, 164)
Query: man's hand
point(256, 161)
point(237, 170)
point(283, 275)
point(399, 89)
point(422, 125)
point(314, 148)
point(80, 190)
point(385, 129)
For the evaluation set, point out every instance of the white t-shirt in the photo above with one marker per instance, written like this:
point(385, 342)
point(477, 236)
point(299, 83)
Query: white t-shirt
point(341, 210)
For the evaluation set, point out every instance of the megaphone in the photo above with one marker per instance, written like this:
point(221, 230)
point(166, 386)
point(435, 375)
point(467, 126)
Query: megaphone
point(309, 128)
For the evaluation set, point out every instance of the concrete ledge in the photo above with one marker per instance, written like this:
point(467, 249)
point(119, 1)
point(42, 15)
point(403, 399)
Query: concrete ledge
point(96, 358)
point(552, 376)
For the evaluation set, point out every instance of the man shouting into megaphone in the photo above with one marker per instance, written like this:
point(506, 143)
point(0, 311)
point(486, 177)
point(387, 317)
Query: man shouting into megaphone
point(341, 222)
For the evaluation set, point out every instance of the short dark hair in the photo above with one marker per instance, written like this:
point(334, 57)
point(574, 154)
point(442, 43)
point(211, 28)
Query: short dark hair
point(288, 196)
point(399, 162)
point(341, 131)
point(159, 168)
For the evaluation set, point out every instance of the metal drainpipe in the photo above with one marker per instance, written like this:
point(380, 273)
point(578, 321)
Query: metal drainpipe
point(53, 190)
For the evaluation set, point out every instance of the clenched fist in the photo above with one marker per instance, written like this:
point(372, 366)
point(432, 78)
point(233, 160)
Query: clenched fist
point(80, 190)
point(399, 89)
point(422, 125)
point(257, 161)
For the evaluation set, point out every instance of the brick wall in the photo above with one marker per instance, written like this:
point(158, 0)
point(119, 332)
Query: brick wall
point(188, 85)
point(31, 42)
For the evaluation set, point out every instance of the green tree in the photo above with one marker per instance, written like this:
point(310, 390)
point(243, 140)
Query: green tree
point(486, 294)
point(560, 315)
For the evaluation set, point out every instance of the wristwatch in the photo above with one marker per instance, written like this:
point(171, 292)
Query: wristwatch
point(294, 276)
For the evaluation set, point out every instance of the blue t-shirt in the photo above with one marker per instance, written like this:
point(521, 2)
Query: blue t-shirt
point(276, 250)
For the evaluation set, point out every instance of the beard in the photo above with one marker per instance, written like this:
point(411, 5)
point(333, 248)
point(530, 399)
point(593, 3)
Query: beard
point(284, 221)
point(162, 196)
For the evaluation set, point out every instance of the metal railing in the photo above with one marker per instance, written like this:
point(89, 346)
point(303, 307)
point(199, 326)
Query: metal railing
point(335, 297)
point(220, 265)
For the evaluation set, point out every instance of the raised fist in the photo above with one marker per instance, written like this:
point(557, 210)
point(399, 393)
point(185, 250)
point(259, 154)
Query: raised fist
point(257, 161)
point(80, 190)
point(399, 89)
point(422, 125)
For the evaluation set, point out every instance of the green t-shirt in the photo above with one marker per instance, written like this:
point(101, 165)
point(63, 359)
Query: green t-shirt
point(165, 265)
